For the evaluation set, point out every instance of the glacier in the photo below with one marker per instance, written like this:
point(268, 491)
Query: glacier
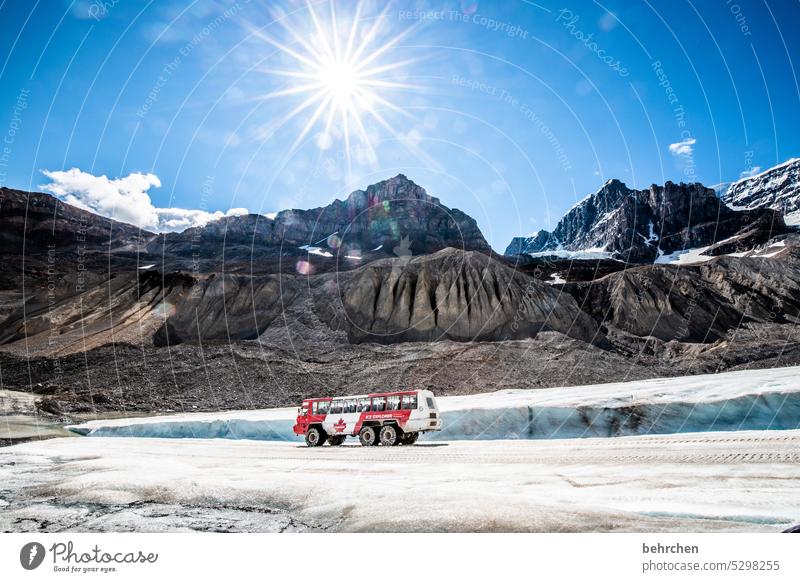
point(731, 401)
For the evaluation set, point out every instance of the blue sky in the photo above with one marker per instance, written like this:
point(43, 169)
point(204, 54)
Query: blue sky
point(510, 111)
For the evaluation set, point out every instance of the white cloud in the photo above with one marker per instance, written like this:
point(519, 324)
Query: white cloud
point(751, 172)
point(179, 219)
point(126, 199)
point(685, 147)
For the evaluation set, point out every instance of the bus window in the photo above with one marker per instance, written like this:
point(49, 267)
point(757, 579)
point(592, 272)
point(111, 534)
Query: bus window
point(409, 401)
point(393, 403)
point(379, 404)
point(351, 406)
point(304, 409)
point(363, 405)
point(431, 405)
point(336, 407)
point(323, 407)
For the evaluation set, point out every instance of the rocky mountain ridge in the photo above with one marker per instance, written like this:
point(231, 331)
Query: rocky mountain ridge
point(638, 226)
point(386, 214)
point(777, 188)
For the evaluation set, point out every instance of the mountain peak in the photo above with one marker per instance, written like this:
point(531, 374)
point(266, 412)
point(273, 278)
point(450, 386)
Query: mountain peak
point(640, 225)
point(398, 187)
point(378, 217)
point(777, 188)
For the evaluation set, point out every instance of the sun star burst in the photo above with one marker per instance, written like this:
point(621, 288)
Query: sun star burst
point(339, 70)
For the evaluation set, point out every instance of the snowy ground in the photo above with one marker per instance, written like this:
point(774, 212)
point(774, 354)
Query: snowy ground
point(744, 400)
point(742, 481)
point(16, 402)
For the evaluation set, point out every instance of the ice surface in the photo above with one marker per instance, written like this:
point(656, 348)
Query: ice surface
point(685, 257)
point(793, 218)
point(742, 481)
point(316, 251)
point(742, 400)
point(584, 254)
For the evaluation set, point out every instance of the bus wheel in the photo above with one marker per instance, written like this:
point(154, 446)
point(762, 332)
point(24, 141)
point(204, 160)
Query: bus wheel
point(411, 438)
point(314, 438)
point(389, 435)
point(367, 436)
point(335, 441)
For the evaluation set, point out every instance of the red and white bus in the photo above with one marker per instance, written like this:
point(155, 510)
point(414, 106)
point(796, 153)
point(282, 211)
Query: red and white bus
point(389, 418)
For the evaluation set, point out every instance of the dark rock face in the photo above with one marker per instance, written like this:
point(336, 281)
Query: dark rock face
point(639, 225)
point(387, 214)
point(46, 242)
point(449, 295)
point(541, 241)
point(777, 188)
point(384, 214)
point(41, 220)
point(697, 303)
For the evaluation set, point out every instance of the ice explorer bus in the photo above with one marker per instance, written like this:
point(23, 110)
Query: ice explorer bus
point(390, 418)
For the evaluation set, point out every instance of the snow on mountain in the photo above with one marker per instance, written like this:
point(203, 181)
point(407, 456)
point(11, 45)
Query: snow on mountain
point(742, 400)
point(640, 226)
point(777, 188)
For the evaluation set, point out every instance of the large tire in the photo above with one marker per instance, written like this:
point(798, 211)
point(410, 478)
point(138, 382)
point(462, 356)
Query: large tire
point(315, 437)
point(389, 435)
point(410, 438)
point(335, 441)
point(368, 437)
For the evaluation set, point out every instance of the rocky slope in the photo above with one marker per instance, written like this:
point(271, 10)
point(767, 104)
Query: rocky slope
point(697, 303)
point(777, 188)
point(40, 220)
point(450, 295)
point(640, 225)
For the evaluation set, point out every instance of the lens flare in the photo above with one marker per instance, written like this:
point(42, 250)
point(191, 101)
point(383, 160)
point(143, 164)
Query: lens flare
point(334, 242)
point(303, 267)
point(163, 310)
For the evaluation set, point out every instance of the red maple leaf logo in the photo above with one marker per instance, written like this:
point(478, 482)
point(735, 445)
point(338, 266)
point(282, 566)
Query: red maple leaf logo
point(340, 426)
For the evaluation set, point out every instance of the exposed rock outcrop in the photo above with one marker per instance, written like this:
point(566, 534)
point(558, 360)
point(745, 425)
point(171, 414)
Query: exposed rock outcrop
point(777, 188)
point(387, 214)
point(449, 295)
point(640, 225)
point(696, 303)
point(41, 220)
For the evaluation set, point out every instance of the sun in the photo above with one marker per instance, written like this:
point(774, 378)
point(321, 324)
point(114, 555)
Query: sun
point(340, 81)
point(340, 72)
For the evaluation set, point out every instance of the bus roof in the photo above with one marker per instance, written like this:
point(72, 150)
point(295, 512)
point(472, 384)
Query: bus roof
point(371, 395)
